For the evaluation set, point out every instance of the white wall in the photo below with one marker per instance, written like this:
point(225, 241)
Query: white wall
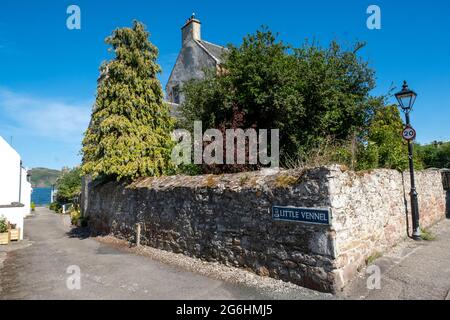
point(9, 173)
point(14, 186)
point(25, 196)
point(14, 216)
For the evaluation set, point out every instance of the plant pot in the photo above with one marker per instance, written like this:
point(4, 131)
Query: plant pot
point(14, 234)
point(4, 238)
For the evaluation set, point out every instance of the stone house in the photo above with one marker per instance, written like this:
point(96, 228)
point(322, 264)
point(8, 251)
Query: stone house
point(196, 56)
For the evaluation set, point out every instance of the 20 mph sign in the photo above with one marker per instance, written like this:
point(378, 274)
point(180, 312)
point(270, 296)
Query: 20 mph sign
point(409, 134)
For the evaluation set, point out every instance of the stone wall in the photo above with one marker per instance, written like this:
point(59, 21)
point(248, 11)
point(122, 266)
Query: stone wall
point(371, 212)
point(228, 218)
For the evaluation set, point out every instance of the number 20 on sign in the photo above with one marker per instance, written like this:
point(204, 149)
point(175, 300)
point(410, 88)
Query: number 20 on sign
point(409, 134)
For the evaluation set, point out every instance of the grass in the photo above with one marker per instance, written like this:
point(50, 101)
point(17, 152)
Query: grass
point(284, 181)
point(75, 215)
point(373, 257)
point(243, 180)
point(427, 235)
point(211, 181)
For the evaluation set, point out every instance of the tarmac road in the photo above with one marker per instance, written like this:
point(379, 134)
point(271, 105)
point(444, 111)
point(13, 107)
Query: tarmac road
point(36, 268)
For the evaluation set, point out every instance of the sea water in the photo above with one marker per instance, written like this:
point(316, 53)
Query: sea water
point(41, 196)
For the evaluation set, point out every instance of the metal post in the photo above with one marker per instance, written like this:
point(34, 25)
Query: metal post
point(413, 193)
point(138, 234)
point(20, 182)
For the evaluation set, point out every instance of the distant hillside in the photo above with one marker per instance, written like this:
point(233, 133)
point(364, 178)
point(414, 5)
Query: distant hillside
point(43, 177)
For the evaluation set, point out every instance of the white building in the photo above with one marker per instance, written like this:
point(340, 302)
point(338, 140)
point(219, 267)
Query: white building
point(15, 189)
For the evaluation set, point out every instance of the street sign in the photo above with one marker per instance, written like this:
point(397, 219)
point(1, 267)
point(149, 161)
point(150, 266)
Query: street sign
point(304, 215)
point(409, 134)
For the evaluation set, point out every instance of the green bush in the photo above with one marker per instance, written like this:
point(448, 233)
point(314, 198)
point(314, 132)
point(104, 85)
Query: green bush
point(383, 146)
point(76, 218)
point(55, 206)
point(427, 235)
point(435, 154)
point(68, 185)
point(306, 92)
point(3, 224)
point(379, 146)
point(190, 169)
point(75, 215)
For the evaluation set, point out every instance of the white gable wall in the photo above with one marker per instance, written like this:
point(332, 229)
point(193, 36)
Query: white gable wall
point(25, 196)
point(9, 173)
point(14, 187)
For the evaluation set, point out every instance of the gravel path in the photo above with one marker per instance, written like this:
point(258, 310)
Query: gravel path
point(36, 268)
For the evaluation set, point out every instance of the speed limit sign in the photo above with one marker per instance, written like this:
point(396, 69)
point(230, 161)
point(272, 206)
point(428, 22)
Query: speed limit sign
point(409, 134)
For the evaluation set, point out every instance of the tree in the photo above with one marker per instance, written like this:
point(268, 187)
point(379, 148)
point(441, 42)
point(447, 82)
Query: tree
point(384, 146)
point(308, 93)
point(129, 133)
point(68, 186)
point(435, 154)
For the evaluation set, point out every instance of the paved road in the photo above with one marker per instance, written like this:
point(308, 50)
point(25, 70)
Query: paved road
point(411, 271)
point(36, 269)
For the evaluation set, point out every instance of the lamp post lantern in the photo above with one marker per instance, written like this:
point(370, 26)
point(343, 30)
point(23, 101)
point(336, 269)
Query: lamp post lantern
point(406, 99)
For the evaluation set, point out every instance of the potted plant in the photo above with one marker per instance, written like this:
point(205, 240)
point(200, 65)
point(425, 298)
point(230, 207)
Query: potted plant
point(14, 232)
point(4, 232)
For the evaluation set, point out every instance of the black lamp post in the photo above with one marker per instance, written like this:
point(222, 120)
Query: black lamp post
point(406, 99)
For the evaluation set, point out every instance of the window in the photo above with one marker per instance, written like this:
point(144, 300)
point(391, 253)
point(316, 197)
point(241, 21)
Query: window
point(176, 94)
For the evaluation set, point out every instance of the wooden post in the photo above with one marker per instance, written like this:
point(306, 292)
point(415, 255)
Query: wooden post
point(138, 234)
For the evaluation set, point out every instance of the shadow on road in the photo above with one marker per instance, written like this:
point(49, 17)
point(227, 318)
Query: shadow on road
point(79, 232)
point(405, 202)
point(447, 209)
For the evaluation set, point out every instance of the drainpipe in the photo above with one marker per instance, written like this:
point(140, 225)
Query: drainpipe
point(20, 182)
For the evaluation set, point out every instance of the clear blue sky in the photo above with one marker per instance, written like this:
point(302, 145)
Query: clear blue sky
point(48, 73)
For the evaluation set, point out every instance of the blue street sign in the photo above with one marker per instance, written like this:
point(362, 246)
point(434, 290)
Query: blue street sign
point(304, 215)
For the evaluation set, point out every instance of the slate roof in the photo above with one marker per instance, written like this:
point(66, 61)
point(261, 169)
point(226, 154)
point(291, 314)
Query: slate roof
point(216, 51)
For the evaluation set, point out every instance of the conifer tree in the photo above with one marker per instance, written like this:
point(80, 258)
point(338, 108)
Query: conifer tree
point(129, 133)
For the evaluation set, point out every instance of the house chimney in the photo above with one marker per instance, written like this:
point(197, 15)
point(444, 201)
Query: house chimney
point(191, 29)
